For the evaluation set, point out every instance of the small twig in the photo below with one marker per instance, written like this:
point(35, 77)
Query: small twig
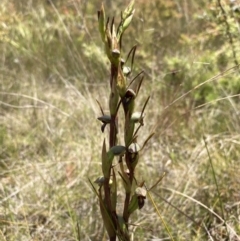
point(225, 19)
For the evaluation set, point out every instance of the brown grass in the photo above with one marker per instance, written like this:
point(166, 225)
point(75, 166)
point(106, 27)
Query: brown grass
point(50, 139)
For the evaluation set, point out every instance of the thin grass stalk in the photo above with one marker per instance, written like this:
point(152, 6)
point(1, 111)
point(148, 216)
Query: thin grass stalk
point(217, 186)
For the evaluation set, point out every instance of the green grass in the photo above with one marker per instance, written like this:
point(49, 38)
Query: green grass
point(52, 73)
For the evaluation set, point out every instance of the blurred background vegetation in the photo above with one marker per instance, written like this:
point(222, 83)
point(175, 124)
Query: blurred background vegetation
point(53, 69)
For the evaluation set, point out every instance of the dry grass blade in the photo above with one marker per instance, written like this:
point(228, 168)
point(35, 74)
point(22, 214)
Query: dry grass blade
point(204, 206)
point(160, 216)
point(201, 84)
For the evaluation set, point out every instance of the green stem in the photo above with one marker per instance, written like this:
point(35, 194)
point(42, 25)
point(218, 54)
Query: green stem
point(128, 194)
